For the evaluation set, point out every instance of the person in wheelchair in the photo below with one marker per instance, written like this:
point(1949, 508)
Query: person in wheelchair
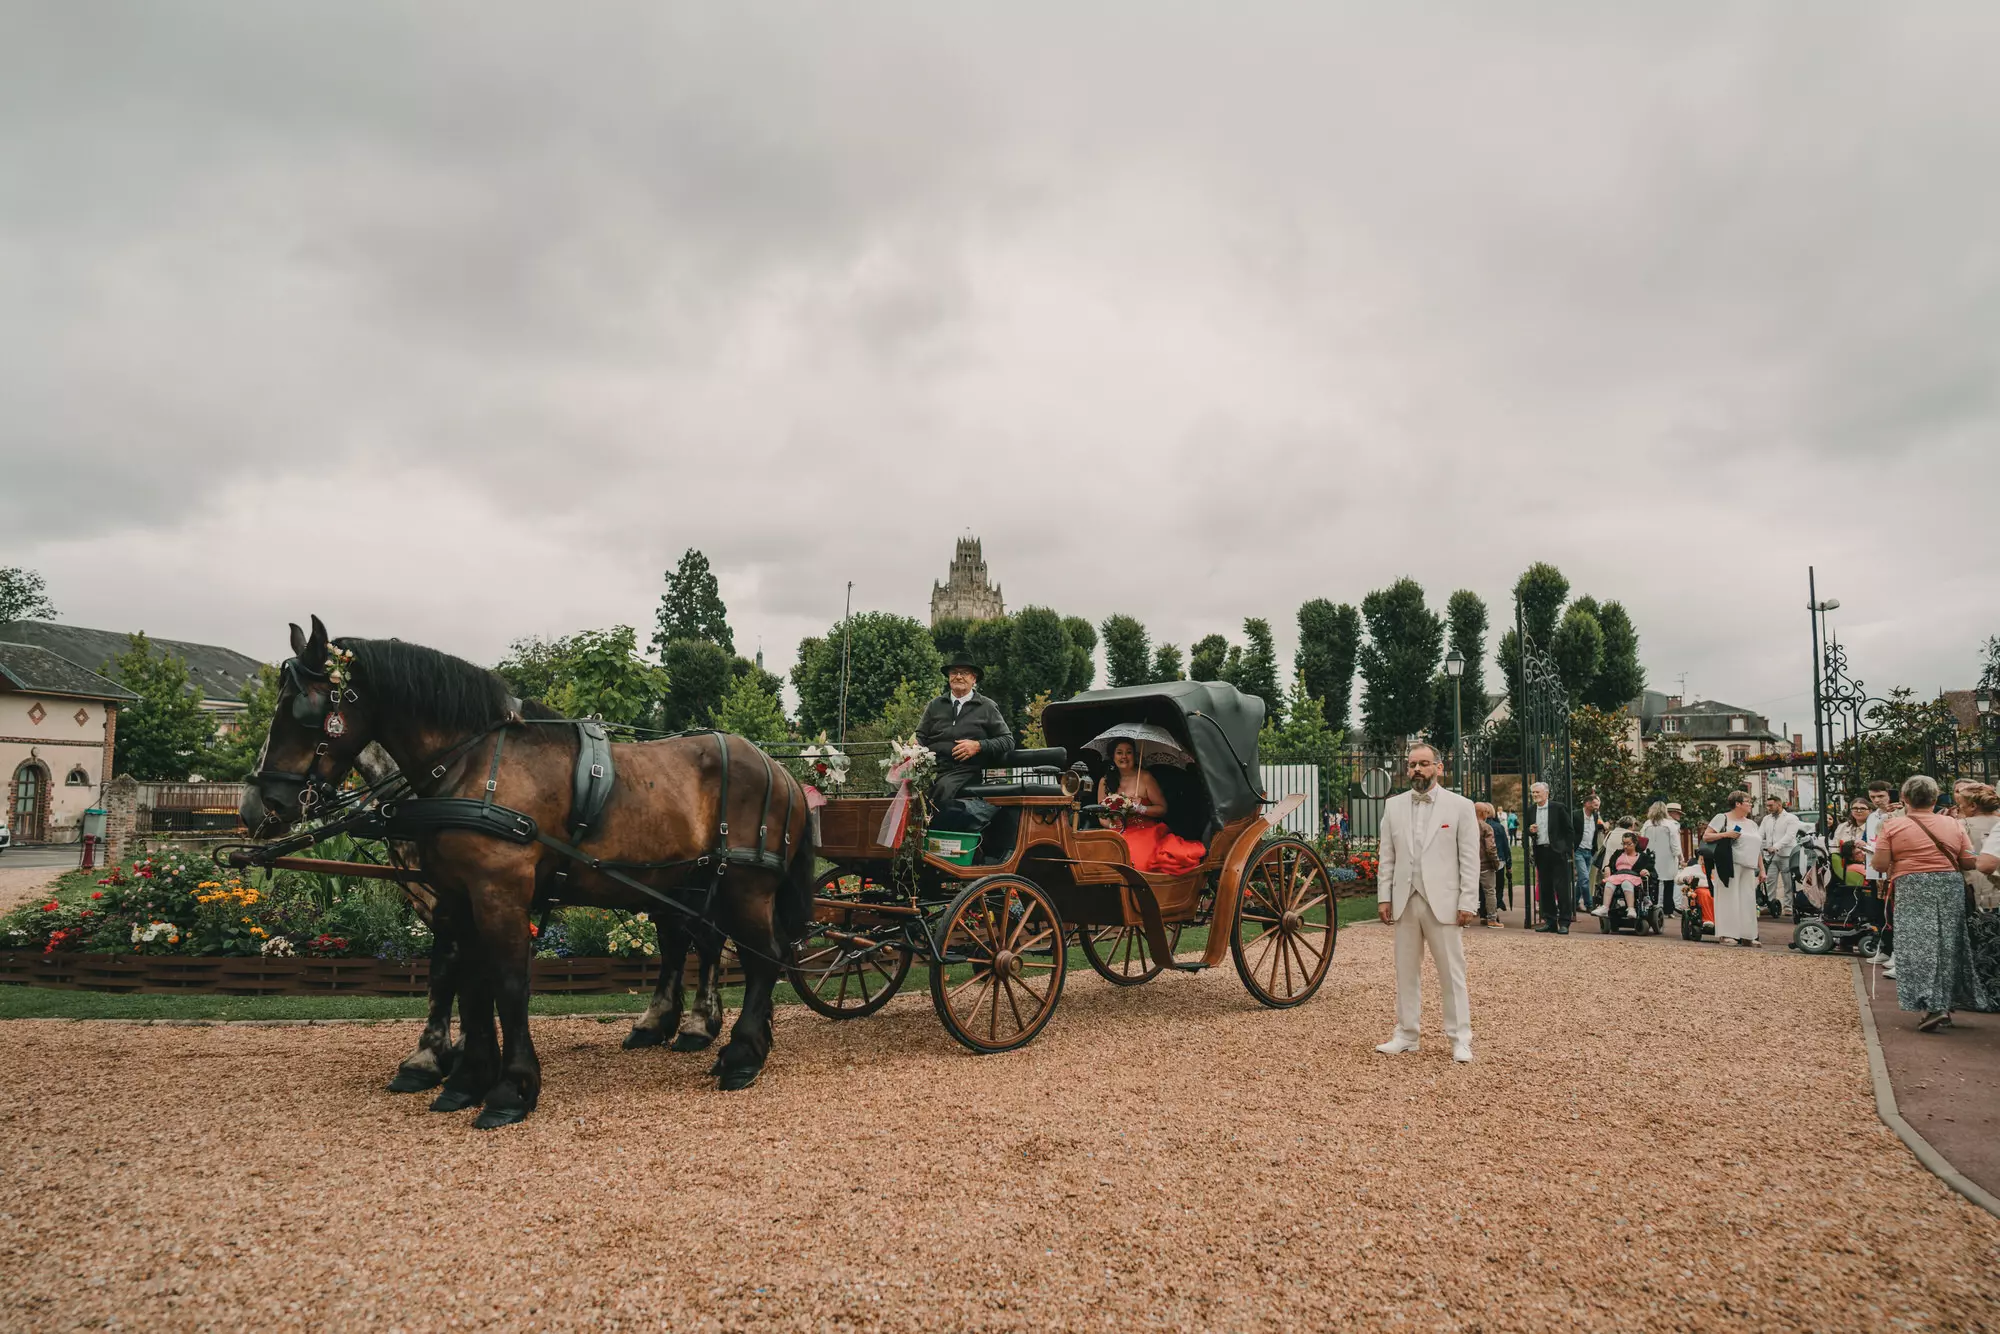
point(1626, 875)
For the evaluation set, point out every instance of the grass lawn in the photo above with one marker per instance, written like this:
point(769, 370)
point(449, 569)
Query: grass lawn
point(19, 1002)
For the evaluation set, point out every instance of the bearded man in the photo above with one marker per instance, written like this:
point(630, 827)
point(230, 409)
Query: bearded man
point(1427, 886)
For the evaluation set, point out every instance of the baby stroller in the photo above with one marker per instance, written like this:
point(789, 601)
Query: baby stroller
point(1637, 907)
point(1853, 917)
point(1694, 900)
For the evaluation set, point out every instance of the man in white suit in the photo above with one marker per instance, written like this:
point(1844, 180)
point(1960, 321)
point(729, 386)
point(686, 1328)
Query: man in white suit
point(1427, 884)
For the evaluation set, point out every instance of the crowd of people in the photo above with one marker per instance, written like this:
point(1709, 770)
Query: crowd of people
point(1926, 860)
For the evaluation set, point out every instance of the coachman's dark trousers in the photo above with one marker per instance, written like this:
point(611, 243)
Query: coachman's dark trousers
point(1553, 868)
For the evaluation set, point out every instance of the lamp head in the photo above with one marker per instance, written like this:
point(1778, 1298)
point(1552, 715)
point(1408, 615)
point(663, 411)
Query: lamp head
point(1454, 664)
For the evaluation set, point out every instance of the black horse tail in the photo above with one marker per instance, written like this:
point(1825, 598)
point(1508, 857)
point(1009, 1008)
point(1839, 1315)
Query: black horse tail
point(793, 910)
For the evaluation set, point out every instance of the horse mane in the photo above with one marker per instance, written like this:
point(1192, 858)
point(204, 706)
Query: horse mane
point(423, 682)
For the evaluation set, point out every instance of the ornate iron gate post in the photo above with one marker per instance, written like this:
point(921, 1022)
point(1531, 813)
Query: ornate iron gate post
point(1541, 716)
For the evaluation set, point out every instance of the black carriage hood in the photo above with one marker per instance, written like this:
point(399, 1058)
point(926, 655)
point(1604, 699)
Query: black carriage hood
point(1216, 722)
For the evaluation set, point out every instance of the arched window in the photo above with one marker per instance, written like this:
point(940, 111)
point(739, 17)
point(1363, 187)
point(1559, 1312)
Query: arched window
point(78, 777)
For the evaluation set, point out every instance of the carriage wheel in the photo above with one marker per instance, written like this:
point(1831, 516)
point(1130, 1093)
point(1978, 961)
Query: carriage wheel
point(1285, 924)
point(842, 987)
point(1123, 956)
point(1010, 934)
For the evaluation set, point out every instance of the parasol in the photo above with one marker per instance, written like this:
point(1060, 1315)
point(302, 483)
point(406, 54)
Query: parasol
point(1156, 745)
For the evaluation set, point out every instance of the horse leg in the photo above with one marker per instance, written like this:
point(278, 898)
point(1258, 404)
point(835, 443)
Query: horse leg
point(758, 950)
point(427, 1066)
point(504, 941)
point(477, 1068)
point(703, 1024)
point(664, 1013)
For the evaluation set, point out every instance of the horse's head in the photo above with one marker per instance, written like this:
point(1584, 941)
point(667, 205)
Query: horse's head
point(320, 726)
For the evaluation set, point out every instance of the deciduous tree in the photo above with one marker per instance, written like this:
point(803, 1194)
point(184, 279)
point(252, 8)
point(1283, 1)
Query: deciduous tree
point(24, 596)
point(1405, 641)
point(1465, 619)
point(1126, 658)
point(1329, 638)
point(1082, 656)
point(1167, 663)
point(233, 757)
point(1256, 671)
point(887, 650)
point(1207, 658)
point(749, 710)
point(1578, 649)
point(1620, 678)
point(165, 733)
point(701, 675)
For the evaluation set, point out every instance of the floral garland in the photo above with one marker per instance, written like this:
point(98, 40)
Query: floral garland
point(907, 824)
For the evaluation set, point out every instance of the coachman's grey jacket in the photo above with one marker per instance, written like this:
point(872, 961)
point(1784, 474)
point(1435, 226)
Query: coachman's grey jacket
point(945, 723)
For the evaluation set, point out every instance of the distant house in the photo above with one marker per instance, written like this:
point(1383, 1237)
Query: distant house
point(1708, 730)
point(217, 674)
point(58, 729)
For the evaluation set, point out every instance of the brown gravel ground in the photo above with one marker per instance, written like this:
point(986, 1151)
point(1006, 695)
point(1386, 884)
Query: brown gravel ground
point(19, 884)
point(1651, 1139)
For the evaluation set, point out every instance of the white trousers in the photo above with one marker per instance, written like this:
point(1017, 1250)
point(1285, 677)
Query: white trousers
point(1416, 928)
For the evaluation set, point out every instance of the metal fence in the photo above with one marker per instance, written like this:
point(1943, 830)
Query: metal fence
point(1285, 780)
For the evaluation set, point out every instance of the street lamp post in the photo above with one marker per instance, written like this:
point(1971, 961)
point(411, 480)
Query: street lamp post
point(1817, 609)
point(1454, 667)
point(1983, 697)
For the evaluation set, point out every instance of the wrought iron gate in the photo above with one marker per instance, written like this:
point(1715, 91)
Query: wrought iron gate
point(1541, 712)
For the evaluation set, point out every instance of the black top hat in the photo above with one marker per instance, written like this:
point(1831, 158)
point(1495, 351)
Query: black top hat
point(959, 659)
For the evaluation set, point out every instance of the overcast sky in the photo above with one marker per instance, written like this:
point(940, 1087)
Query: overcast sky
point(459, 322)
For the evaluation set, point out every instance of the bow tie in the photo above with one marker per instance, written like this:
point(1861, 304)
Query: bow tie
point(1421, 798)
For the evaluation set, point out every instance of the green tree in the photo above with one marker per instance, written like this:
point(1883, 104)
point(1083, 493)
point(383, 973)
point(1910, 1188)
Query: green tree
point(1904, 737)
point(1405, 642)
point(23, 596)
point(990, 643)
point(1701, 786)
point(887, 650)
point(1082, 656)
point(1329, 637)
point(950, 634)
point(1301, 736)
point(165, 733)
point(1578, 649)
point(1620, 678)
point(1038, 657)
point(1601, 761)
point(1127, 658)
point(233, 757)
point(1541, 591)
point(751, 711)
point(1207, 658)
point(691, 608)
point(897, 719)
point(1465, 619)
point(592, 673)
point(1166, 663)
point(1257, 670)
point(702, 673)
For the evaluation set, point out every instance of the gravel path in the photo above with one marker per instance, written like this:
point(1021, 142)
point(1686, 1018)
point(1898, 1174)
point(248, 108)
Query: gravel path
point(1167, 1157)
point(19, 884)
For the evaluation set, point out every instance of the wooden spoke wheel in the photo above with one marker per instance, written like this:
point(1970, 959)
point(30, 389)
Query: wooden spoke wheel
point(1286, 922)
point(1005, 957)
point(1122, 955)
point(848, 967)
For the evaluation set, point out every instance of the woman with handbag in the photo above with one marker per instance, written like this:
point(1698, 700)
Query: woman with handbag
point(1738, 846)
point(1925, 856)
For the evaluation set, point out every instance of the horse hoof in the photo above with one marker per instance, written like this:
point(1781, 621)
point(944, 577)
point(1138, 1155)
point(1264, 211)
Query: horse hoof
point(495, 1117)
point(415, 1081)
point(734, 1079)
point(453, 1100)
point(643, 1037)
point(691, 1041)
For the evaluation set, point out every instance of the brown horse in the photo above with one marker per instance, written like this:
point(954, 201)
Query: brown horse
point(510, 778)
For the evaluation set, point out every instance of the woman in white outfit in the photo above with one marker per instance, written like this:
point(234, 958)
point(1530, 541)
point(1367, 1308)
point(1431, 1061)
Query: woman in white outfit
point(1663, 840)
point(1736, 898)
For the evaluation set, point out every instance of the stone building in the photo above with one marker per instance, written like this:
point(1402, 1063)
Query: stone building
point(217, 675)
point(965, 594)
point(58, 728)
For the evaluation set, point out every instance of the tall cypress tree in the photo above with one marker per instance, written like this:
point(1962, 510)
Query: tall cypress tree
point(1541, 590)
point(1257, 670)
point(1208, 658)
point(691, 608)
point(1465, 617)
point(1620, 677)
point(1167, 663)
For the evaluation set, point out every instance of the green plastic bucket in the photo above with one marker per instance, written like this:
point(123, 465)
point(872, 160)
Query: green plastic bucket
point(958, 849)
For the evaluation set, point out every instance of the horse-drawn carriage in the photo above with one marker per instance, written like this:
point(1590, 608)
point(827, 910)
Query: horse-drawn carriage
point(996, 936)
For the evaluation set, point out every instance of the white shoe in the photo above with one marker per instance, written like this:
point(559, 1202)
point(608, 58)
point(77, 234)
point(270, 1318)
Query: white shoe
point(1397, 1046)
point(1462, 1051)
point(1601, 910)
point(1889, 968)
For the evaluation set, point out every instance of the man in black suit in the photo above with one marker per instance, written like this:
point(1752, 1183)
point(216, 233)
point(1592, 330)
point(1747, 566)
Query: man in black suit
point(1552, 836)
point(964, 729)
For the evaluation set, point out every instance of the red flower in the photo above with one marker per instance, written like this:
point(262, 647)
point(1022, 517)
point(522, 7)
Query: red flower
point(97, 893)
point(50, 906)
point(533, 931)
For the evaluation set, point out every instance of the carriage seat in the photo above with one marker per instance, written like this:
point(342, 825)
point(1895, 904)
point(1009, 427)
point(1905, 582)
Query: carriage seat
point(1044, 762)
point(1046, 759)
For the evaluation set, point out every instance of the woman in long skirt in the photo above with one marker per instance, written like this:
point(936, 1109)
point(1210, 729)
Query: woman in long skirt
point(1924, 854)
point(1736, 897)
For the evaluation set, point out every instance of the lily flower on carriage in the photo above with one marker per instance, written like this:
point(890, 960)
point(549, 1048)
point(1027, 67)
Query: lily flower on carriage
point(825, 762)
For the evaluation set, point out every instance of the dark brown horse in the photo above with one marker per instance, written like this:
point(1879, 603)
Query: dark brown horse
point(456, 732)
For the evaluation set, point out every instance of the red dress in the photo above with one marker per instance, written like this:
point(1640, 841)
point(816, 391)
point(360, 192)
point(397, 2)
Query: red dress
point(1156, 849)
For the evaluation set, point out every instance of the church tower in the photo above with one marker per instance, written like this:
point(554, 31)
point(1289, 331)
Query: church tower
point(965, 592)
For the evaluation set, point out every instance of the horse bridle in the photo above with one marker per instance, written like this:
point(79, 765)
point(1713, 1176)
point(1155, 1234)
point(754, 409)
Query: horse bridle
point(312, 787)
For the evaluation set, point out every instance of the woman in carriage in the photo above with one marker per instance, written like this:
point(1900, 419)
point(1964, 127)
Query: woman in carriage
point(1134, 799)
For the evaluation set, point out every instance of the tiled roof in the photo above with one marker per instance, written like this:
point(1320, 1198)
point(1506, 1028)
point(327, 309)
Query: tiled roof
point(216, 673)
point(1708, 720)
point(30, 667)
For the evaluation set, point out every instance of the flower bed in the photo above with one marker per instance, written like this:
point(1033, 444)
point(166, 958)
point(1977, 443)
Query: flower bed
point(174, 923)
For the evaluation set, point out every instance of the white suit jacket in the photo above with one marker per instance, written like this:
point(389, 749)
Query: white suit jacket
point(1450, 858)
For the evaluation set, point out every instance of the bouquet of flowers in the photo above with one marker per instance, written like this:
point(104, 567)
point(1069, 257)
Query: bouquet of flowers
point(1117, 807)
point(825, 765)
point(908, 760)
